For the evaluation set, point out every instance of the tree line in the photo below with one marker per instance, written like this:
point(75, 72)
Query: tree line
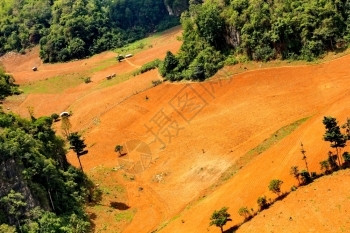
point(69, 30)
point(40, 191)
point(226, 32)
point(336, 134)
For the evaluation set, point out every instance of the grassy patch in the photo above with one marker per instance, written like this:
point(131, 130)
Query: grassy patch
point(165, 223)
point(136, 46)
point(275, 137)
point(140, 45)
point(126, 215)
point(263, 146)
point(147, 67)
point(52, 85)
point(126, 76)
point(119, 188)
point(119, 79)
point(104, 64)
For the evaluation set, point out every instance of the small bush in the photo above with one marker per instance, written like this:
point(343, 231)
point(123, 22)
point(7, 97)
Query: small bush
point(293, 188)
point(146, 67)
point(275, 186)
point(156, 82)
point(332, 160)
point(305, 177)
point(87, 80)
point(325, 166)
point(230, 61)
point(244, 212)
point(314, 175)
point(119, 149)
point(54, 116)
point(264, 53)
point(262, 202)
point(346, 156)
point(141, 45)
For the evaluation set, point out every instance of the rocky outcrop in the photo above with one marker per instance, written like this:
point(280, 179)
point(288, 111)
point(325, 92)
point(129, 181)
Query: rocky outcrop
point(176, 7)
point(11, 179)
point(232, 36)
point(170, 11)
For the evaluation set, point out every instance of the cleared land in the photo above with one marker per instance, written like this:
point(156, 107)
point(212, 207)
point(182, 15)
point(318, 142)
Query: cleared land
point(199, 131)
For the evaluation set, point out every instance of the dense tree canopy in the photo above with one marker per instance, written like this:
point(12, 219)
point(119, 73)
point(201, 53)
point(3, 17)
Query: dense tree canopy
point(76, 29)
point(40, 191)
point(257, 30)
point(7, 85)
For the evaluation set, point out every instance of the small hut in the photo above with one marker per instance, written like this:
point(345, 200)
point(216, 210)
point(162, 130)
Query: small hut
point(64, 114)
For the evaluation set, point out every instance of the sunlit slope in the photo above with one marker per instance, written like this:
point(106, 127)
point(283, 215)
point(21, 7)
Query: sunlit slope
point(198, 131)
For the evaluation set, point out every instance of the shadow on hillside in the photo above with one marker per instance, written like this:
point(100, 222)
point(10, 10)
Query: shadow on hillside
point(232, 229)
point(122, 154)
point(119, 205)
point(83, 153)
point(280, 197)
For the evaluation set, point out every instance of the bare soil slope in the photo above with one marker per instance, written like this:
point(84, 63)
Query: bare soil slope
point(181, 137)
point(320, 207)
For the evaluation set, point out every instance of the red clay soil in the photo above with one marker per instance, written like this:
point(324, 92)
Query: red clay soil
point(45, 104)
point(320, 207)
point(236, 117)
point(20, 66)
point(203, 129)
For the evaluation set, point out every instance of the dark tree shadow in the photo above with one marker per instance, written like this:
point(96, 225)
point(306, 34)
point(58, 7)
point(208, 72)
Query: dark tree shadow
point(232, 229)
point(281, 197)
point(92, 216)
point(83, 153)
point(119, 205)
point(122, 154)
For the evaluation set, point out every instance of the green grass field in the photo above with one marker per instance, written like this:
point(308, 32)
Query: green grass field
point(53, 85)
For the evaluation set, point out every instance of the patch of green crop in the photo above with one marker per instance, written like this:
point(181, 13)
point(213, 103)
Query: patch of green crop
point(52, 85)
point(126, 215)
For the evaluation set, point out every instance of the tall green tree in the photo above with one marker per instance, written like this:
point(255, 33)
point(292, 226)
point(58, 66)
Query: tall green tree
point(333, 135)
point(78, 145)
point(169, 64)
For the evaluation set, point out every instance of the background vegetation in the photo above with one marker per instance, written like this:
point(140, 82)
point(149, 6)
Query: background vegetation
point(69, 30)
point(7, 85)
point(215, 31)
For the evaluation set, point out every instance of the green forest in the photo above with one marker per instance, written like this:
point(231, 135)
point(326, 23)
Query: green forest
point(69, 30)
point(40, 191)
point(218, 33)
point(7, 85)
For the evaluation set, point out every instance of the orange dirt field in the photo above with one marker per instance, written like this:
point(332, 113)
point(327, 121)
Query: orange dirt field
point(179, 138)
